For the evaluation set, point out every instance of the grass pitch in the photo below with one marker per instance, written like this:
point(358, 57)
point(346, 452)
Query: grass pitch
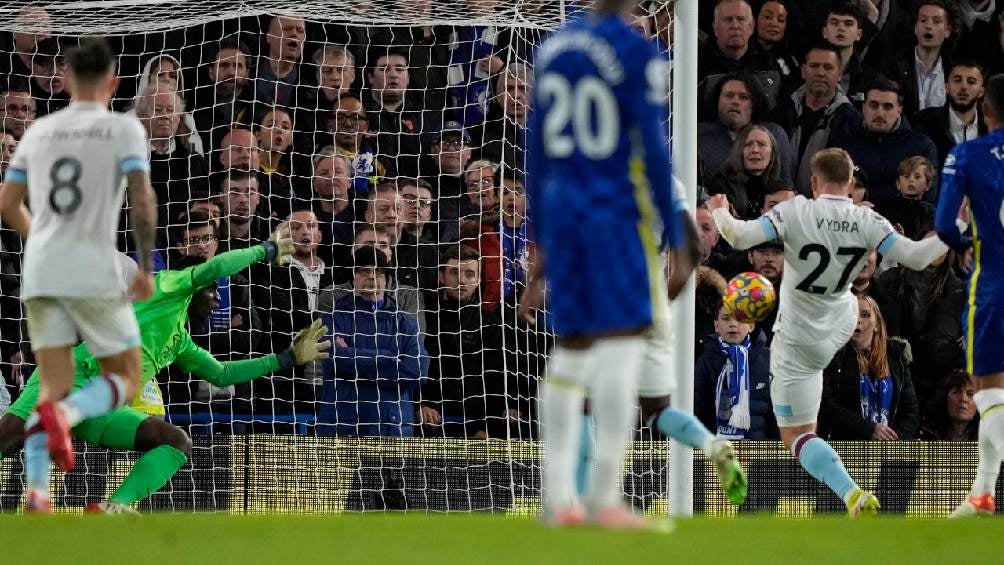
point(470, 539)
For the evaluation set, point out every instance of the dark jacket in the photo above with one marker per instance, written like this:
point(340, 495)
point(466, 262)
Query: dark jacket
point(904, 72)
point(711, 363)
point(915, 216)
point(879, 154)
point(714, 141)
point(369, 385)
point(934, 123)
point(745, 194)
point(399, 132)
point(840, 412)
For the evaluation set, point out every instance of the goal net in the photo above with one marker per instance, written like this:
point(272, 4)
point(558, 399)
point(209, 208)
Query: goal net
point(396, 124)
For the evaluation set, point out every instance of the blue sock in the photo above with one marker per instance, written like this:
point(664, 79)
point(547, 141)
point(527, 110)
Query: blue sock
point(585, 455)
point(36, 457)
point(819, 459)
point(684, 428)
point(97, 398)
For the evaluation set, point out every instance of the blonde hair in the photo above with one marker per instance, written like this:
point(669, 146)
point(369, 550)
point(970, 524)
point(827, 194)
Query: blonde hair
point(833, 165)
point(875, 361)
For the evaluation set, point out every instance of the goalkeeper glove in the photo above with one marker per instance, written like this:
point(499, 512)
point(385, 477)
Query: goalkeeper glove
point(306, 347)
point(279, 246)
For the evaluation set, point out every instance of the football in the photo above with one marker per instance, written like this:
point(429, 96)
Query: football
point(750, 297)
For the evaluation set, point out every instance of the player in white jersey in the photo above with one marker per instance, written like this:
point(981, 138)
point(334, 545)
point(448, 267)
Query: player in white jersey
point(826, 241)
point(71, 165)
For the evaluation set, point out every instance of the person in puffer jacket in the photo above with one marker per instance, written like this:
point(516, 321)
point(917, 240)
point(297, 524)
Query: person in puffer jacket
point(378, 360)
point(732, 382)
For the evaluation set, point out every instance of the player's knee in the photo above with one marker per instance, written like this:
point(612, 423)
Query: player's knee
point(11, 434)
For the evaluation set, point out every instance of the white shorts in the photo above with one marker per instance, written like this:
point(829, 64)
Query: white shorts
point(796, 376)
point(657, 374)
point(107, 325)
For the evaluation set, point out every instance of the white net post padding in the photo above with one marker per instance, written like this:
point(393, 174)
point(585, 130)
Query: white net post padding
point(190, 32)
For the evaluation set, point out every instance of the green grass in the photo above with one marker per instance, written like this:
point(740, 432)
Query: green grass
point(470, 539)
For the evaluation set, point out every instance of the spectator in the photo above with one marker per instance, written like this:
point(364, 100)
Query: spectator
point(514, 236)
point(17, 108)
point(952, 414)
point(163, 73)
point(732, 382)
point(812, 111)
point(482, 195)
point(25, 44)
point(48, 82)
point(957, 120)
point(448, 157)
point(279, 71)
point(274, 132)
point(285, 297)
point(503, 135)
point(925, 308)
point(712, 254)
point(239, 150)
point(991, 53)
point(466, 387)
point(922, 73)
point(408, 299)
point(752, 164)
point(732, 52)
point(335, 73)
point(739, 102)
point(710, 289)
point(383, 207)
point(176, 173)
point(417, 252)
point(473, 60)
point(844, 29)
point(393, 112)
point(977, 28)
point(7, 145)
point(859, 192)
point(332, 202)
point(775, 193)
point(771, 25)
point(243, 226)
point(907, 210)
point(350, 129)
point(378, 359)
point(767, 259)
point(226, 101)
point(880, 141)
point(867, 389)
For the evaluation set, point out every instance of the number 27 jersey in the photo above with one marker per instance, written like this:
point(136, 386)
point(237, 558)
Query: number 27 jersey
point(826, 243)
point(74, 162)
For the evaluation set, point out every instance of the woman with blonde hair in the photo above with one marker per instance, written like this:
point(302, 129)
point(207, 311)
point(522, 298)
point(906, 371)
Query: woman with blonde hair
point(868, 391)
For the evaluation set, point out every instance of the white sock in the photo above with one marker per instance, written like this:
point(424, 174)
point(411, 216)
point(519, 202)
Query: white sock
point(991, 440)
point(613, 397)
point(561, 407)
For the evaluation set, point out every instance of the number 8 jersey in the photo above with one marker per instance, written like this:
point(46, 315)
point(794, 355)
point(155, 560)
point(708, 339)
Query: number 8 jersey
point(826, 243)
point(74, 162)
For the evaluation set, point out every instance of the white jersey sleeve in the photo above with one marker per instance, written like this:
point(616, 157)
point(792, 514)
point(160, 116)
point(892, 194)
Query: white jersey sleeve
point(74, 162)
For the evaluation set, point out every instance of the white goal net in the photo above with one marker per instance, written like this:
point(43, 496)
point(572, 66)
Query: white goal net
point(389, 124)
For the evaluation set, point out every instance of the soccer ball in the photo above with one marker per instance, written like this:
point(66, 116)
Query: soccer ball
point(750, 297)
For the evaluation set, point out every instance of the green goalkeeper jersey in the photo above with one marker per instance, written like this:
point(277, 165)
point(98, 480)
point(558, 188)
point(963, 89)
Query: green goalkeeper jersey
point(165, 340)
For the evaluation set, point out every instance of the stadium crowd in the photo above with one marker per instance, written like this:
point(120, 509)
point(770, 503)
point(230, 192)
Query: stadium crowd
point(396, 156)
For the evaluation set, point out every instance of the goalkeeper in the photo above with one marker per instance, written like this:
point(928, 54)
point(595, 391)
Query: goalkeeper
point(162, 320)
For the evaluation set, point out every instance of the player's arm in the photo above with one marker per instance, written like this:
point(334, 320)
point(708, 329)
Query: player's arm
point(307, 346)
point(915, 255)
point(277, 249)
point(952, 193)
point(15, 214)
point(143, 203)
point(741, 234)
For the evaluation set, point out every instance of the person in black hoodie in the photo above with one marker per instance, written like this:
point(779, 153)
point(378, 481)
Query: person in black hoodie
point(465, 394)
point(751, 165)
point(907, 209)
point(868, 390)
point(732, 382)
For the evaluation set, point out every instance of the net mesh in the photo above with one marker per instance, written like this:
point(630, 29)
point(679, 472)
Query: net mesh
point(397, 124)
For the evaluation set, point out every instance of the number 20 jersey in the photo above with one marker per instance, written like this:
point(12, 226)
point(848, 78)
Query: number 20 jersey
point(74, 162)
point(826, 243)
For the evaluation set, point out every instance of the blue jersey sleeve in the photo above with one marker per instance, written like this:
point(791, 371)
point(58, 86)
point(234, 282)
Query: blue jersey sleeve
point(646, 94)
point(953, 189)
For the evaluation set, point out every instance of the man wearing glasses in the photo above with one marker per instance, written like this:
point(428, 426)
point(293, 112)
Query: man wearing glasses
point(351, 131)
point(17, 108)
point(447, 155)
point(417, 249)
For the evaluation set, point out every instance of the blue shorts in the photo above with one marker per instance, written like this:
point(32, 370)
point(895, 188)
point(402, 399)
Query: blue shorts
point(599, 278)
point(983, 331)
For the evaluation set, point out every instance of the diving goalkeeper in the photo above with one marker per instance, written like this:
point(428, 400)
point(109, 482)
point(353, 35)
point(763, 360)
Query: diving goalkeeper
point(162, 320)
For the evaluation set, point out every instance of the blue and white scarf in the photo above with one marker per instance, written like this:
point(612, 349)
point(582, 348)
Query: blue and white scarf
point(876, 399)
point(732, 403)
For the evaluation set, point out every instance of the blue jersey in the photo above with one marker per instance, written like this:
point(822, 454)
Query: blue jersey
point(975, 169)
point(597, 143)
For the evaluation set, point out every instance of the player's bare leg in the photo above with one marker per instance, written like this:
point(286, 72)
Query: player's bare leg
point(820, 461)
point(989, 400)
point(46, 431)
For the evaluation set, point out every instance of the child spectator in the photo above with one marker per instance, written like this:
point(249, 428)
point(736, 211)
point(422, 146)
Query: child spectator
point(732, 381)
point(907, 209)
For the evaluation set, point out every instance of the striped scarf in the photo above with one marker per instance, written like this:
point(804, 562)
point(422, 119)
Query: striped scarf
point(732, 403)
